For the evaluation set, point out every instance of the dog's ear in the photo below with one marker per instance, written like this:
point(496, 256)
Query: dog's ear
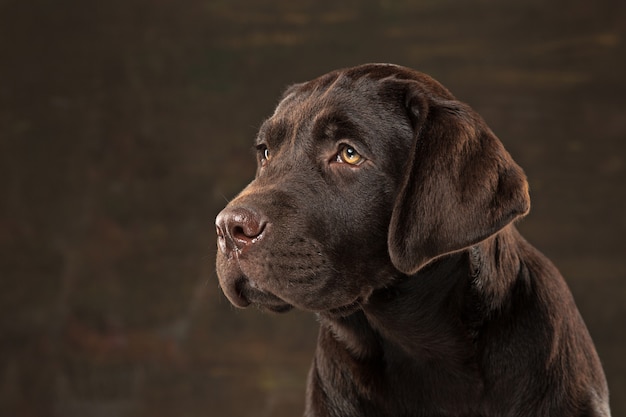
point(460, 185)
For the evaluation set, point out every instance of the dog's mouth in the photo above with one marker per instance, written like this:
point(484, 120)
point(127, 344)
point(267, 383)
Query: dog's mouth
point(245, 285)
point(269, 302)
point(244, 293)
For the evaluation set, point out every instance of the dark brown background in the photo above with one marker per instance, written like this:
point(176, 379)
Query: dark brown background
point(125, 126)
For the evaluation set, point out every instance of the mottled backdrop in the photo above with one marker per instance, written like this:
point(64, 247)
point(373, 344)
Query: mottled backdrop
point(125, 125)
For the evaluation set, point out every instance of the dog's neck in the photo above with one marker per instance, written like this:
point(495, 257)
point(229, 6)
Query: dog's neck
point(435, 313)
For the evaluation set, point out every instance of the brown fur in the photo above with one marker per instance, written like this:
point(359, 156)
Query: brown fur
point(430, 302)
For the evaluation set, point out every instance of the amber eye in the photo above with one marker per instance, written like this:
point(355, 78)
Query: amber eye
point(350, 156)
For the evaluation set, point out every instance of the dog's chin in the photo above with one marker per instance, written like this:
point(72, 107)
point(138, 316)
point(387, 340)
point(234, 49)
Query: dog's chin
point(268, 302)
point(264, 300)
point(274, 304)
point(275, 308)
point(243, 292)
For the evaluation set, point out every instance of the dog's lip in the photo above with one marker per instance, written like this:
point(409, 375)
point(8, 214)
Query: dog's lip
point(235, 295)
point(266, 301)
point(263, 299)
point(277, 308)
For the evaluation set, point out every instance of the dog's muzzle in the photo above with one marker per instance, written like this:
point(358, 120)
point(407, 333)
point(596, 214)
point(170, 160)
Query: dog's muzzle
point(238, 230)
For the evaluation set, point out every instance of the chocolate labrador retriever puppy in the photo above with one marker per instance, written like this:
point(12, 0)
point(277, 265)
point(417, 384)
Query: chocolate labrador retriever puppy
point(386, 207)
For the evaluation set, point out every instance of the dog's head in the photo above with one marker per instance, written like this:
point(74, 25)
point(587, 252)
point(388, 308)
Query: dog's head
point(364, 175)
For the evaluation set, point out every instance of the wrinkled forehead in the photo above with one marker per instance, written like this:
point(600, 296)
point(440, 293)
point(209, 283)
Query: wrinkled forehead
point(335, 90)
point(333, 104)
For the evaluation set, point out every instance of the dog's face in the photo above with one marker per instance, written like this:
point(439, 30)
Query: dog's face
point(346, 197)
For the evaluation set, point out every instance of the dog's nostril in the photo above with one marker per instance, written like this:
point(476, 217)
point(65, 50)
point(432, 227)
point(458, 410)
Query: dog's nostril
point(237, 228)
point(238, 232)
point(248, 230)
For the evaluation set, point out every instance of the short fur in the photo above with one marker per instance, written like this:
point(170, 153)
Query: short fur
point(430, 302)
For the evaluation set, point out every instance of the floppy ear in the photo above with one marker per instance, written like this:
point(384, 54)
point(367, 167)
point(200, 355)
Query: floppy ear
point(460, 185)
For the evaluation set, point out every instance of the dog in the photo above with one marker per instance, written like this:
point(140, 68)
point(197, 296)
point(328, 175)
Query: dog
point(386, 207)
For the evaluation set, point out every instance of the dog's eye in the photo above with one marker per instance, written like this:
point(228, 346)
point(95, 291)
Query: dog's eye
point(350, 156)
point(264, 154)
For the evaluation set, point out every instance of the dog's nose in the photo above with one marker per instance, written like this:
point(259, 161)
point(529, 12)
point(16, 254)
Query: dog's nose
point(238, 228)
